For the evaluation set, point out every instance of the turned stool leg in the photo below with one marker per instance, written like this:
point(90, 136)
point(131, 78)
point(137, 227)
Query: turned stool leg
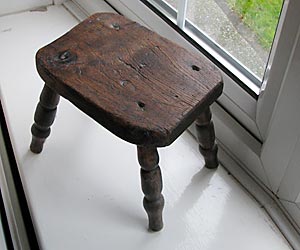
point(206, 139)
point(151, 186)
point(43, 118)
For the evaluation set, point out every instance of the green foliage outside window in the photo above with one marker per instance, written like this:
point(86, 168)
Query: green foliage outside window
point(261, 16)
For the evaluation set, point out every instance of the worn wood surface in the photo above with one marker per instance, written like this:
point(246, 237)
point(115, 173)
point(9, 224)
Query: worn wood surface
point(140, 86)
point(43, 118)
point(151, 185)
point(206, 138)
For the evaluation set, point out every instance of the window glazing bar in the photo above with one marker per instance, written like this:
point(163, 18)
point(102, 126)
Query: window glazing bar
point(181, 15)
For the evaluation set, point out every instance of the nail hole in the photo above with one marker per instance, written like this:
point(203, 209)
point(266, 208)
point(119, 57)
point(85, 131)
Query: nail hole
point(123, 82)
point(64, 55)
point(176, 96)
point(196, 68)
point(116, 26)
point(141, 104)
point(142, 65)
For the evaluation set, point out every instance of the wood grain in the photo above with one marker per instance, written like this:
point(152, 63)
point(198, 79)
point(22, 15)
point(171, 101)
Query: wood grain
point(140, 86)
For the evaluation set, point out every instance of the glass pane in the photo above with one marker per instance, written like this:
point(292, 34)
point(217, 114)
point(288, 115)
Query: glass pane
point(243, 28)
point(173, 3)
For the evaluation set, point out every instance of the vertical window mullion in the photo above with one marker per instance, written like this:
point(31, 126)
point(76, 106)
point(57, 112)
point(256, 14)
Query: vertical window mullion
point(181, 15)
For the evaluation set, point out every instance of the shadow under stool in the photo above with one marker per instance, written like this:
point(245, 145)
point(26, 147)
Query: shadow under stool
point(140, 86)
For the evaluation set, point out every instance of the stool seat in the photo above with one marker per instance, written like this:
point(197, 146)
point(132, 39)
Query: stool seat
point(143, 88)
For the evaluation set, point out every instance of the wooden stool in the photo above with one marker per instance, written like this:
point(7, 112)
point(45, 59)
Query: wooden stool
point(143, 88)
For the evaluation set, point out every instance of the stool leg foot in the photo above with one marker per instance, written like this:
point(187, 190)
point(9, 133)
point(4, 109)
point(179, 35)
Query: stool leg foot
point(151, 185)
point(43, 118)
point(206, 139)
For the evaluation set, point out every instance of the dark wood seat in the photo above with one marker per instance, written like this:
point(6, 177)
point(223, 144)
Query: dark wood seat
point(143, 88)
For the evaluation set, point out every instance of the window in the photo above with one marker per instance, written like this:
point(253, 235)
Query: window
point(240, 31)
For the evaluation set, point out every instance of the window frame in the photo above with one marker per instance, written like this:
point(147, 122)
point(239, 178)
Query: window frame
point(278, 65)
